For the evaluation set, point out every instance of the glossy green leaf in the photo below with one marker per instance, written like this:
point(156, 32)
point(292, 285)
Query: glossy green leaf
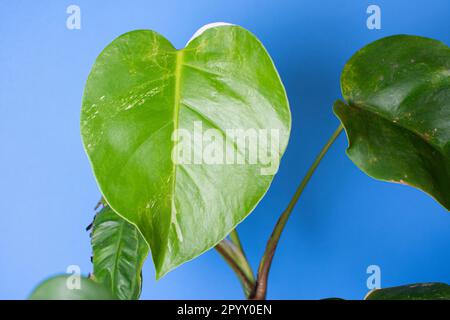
point(419, 291)
point(119, 252)
point(397, 115)
point(64, 287)
point(139, 92)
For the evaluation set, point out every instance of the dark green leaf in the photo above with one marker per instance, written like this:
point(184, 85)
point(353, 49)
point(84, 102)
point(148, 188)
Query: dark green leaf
point(57, 288)
point(397, 115)
point(119, 251)
point(140, 90)
point(419, 291)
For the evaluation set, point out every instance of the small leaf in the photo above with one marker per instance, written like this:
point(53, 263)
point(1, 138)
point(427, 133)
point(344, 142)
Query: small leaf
point(119, 252)
point(419, 291)
point(57, 288)
point(397, 115)
point(141, 92)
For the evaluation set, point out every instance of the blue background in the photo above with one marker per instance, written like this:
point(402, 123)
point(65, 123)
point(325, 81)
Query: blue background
point(345, 221)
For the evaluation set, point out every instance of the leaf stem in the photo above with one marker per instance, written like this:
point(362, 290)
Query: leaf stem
point(236, 240)
point(235, 257)
point(260, 290)
point(234, 236)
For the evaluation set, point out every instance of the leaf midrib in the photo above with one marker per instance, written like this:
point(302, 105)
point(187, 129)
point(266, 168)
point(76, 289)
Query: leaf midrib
point(176, 113)
point(116, 256)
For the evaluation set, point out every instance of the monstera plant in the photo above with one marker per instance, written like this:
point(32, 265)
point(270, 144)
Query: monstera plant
point(169, 137)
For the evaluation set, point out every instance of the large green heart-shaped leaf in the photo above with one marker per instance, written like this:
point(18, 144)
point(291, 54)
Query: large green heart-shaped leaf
point(144, 100)
point(419, 291)
point(397, 116)
point(57, 288)
point(119, 251)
